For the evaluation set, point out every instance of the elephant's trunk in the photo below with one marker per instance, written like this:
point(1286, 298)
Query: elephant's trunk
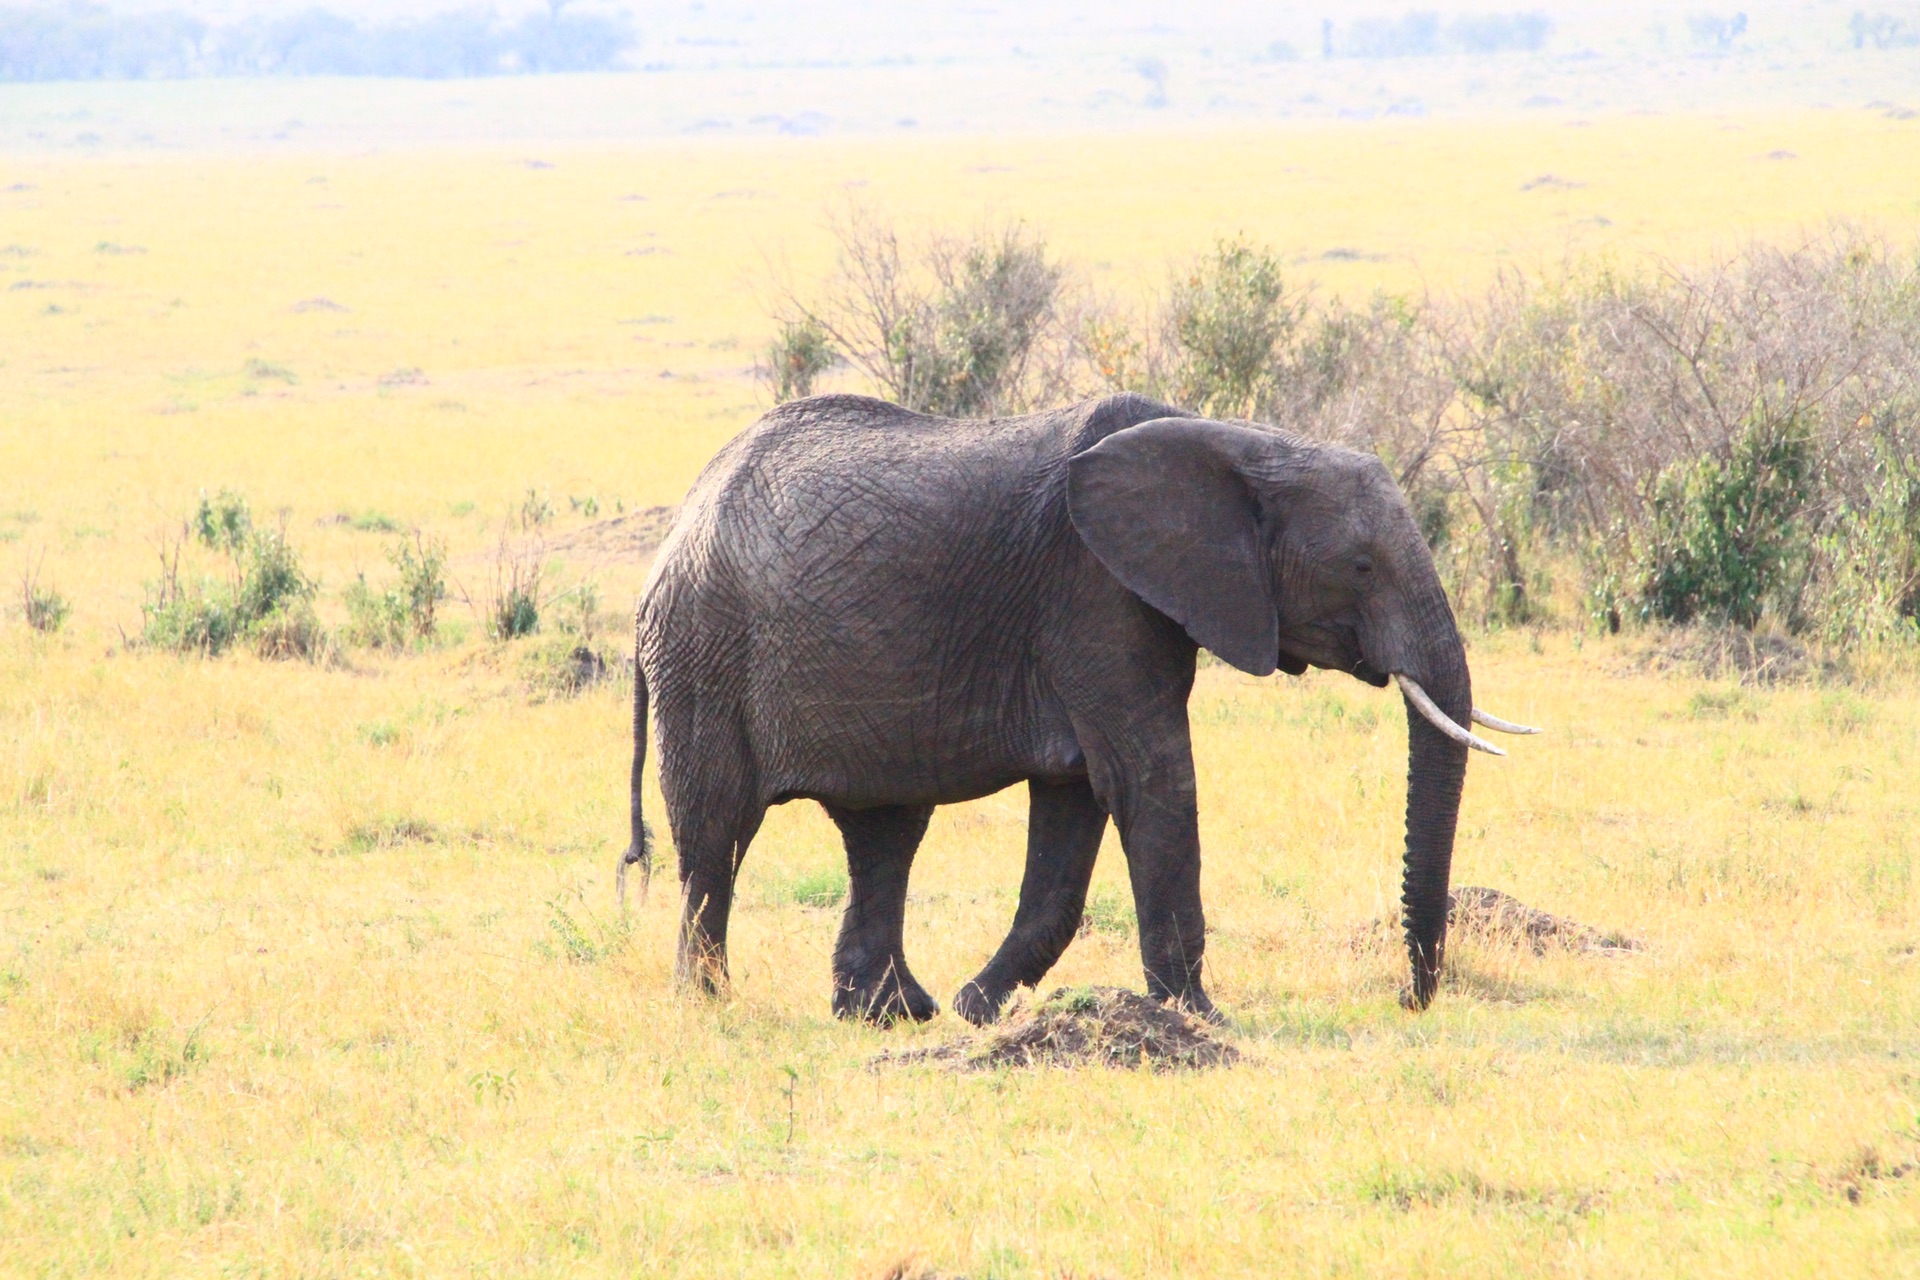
point(1436, 772)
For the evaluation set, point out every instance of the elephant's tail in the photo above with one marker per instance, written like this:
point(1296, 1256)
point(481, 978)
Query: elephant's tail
point(640, 846)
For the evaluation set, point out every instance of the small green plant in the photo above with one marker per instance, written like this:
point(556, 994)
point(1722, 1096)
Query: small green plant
point(491, 1086)
point(1108, 913)
point(143, 1055)
point(578, 610)
point(1073, 1000)
point(375, 522)
point(819, 887)
point(535, 510)
point(516, 613)
point(375, 619)
point(798, 355)
point(41, 607)
point(587, 941)
point(262, 371)
point(422, 566)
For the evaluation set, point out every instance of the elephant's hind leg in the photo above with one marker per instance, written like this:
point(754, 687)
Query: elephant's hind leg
point(870, 975)
point(711, 845)
point(1064, 827)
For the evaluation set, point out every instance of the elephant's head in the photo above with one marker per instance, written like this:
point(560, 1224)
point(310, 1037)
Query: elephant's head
point(1275, 552)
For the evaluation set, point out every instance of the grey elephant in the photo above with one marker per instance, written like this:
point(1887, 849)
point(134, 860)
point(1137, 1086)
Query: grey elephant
point(884, 611)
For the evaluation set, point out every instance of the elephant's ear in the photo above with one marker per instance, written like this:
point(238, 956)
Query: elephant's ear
point(1166, 508)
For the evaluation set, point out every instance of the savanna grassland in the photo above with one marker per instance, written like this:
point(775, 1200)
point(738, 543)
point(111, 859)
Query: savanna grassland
point(316, 968)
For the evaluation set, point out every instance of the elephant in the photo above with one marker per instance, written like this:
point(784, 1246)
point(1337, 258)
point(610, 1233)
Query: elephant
point(885, 611)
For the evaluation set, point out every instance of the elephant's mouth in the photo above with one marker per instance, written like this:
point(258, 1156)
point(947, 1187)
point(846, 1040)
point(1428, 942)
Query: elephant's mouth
point(1366, 674)
point(1330, 649)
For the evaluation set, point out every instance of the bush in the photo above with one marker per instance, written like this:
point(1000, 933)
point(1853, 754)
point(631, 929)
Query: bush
point(42, 608)
point(515, 593)
point(375, 619)
point(800, 353)
point(407, 612)
point(1227, 320)
point(955, 325)
point(265, 598)
point(1724, 529)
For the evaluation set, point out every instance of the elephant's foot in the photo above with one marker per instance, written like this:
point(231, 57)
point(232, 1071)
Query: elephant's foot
point(1193, 999)
point(981, 1000)
point(701, 969)
point(886, 996)
point(1196, 1003)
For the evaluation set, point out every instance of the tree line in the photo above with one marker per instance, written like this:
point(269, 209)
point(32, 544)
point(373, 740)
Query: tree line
point(82, 41)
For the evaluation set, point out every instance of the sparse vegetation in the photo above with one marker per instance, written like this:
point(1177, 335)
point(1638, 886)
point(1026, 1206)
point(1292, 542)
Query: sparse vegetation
point(42, 607)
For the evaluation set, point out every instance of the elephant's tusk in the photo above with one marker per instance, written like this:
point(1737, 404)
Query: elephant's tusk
point(1504, 726)
point(1439, 719)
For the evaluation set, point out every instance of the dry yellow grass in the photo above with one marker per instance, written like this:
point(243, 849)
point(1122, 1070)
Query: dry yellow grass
point(310, 971)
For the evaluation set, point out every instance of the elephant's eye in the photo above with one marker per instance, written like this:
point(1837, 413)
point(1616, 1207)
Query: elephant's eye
point(1363, 566)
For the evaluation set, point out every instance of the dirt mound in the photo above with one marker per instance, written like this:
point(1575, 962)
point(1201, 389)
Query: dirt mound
point(1728, 652)
point(1490, 913)
point(1474, 909)
point(630, 536)
point(1083, 1026)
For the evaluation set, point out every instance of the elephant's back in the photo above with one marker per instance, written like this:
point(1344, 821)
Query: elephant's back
point(839, 484)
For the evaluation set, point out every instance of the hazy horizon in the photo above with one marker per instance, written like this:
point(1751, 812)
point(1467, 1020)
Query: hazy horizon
point(861, 67)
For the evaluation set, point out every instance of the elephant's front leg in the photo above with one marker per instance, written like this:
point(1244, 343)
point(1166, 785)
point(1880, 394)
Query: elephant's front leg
point(1064, 827)
point(1159, 823)
point(870, 975)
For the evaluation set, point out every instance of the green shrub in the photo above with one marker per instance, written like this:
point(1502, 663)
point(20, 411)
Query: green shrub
point(266, 597)
point(1724, 530)
point(1229, 318)
point(799, 354)
point(515, 613)
point(375, 619)
point(374, 522)
point(408, 611)
point(422, 566)
point(190, 616)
